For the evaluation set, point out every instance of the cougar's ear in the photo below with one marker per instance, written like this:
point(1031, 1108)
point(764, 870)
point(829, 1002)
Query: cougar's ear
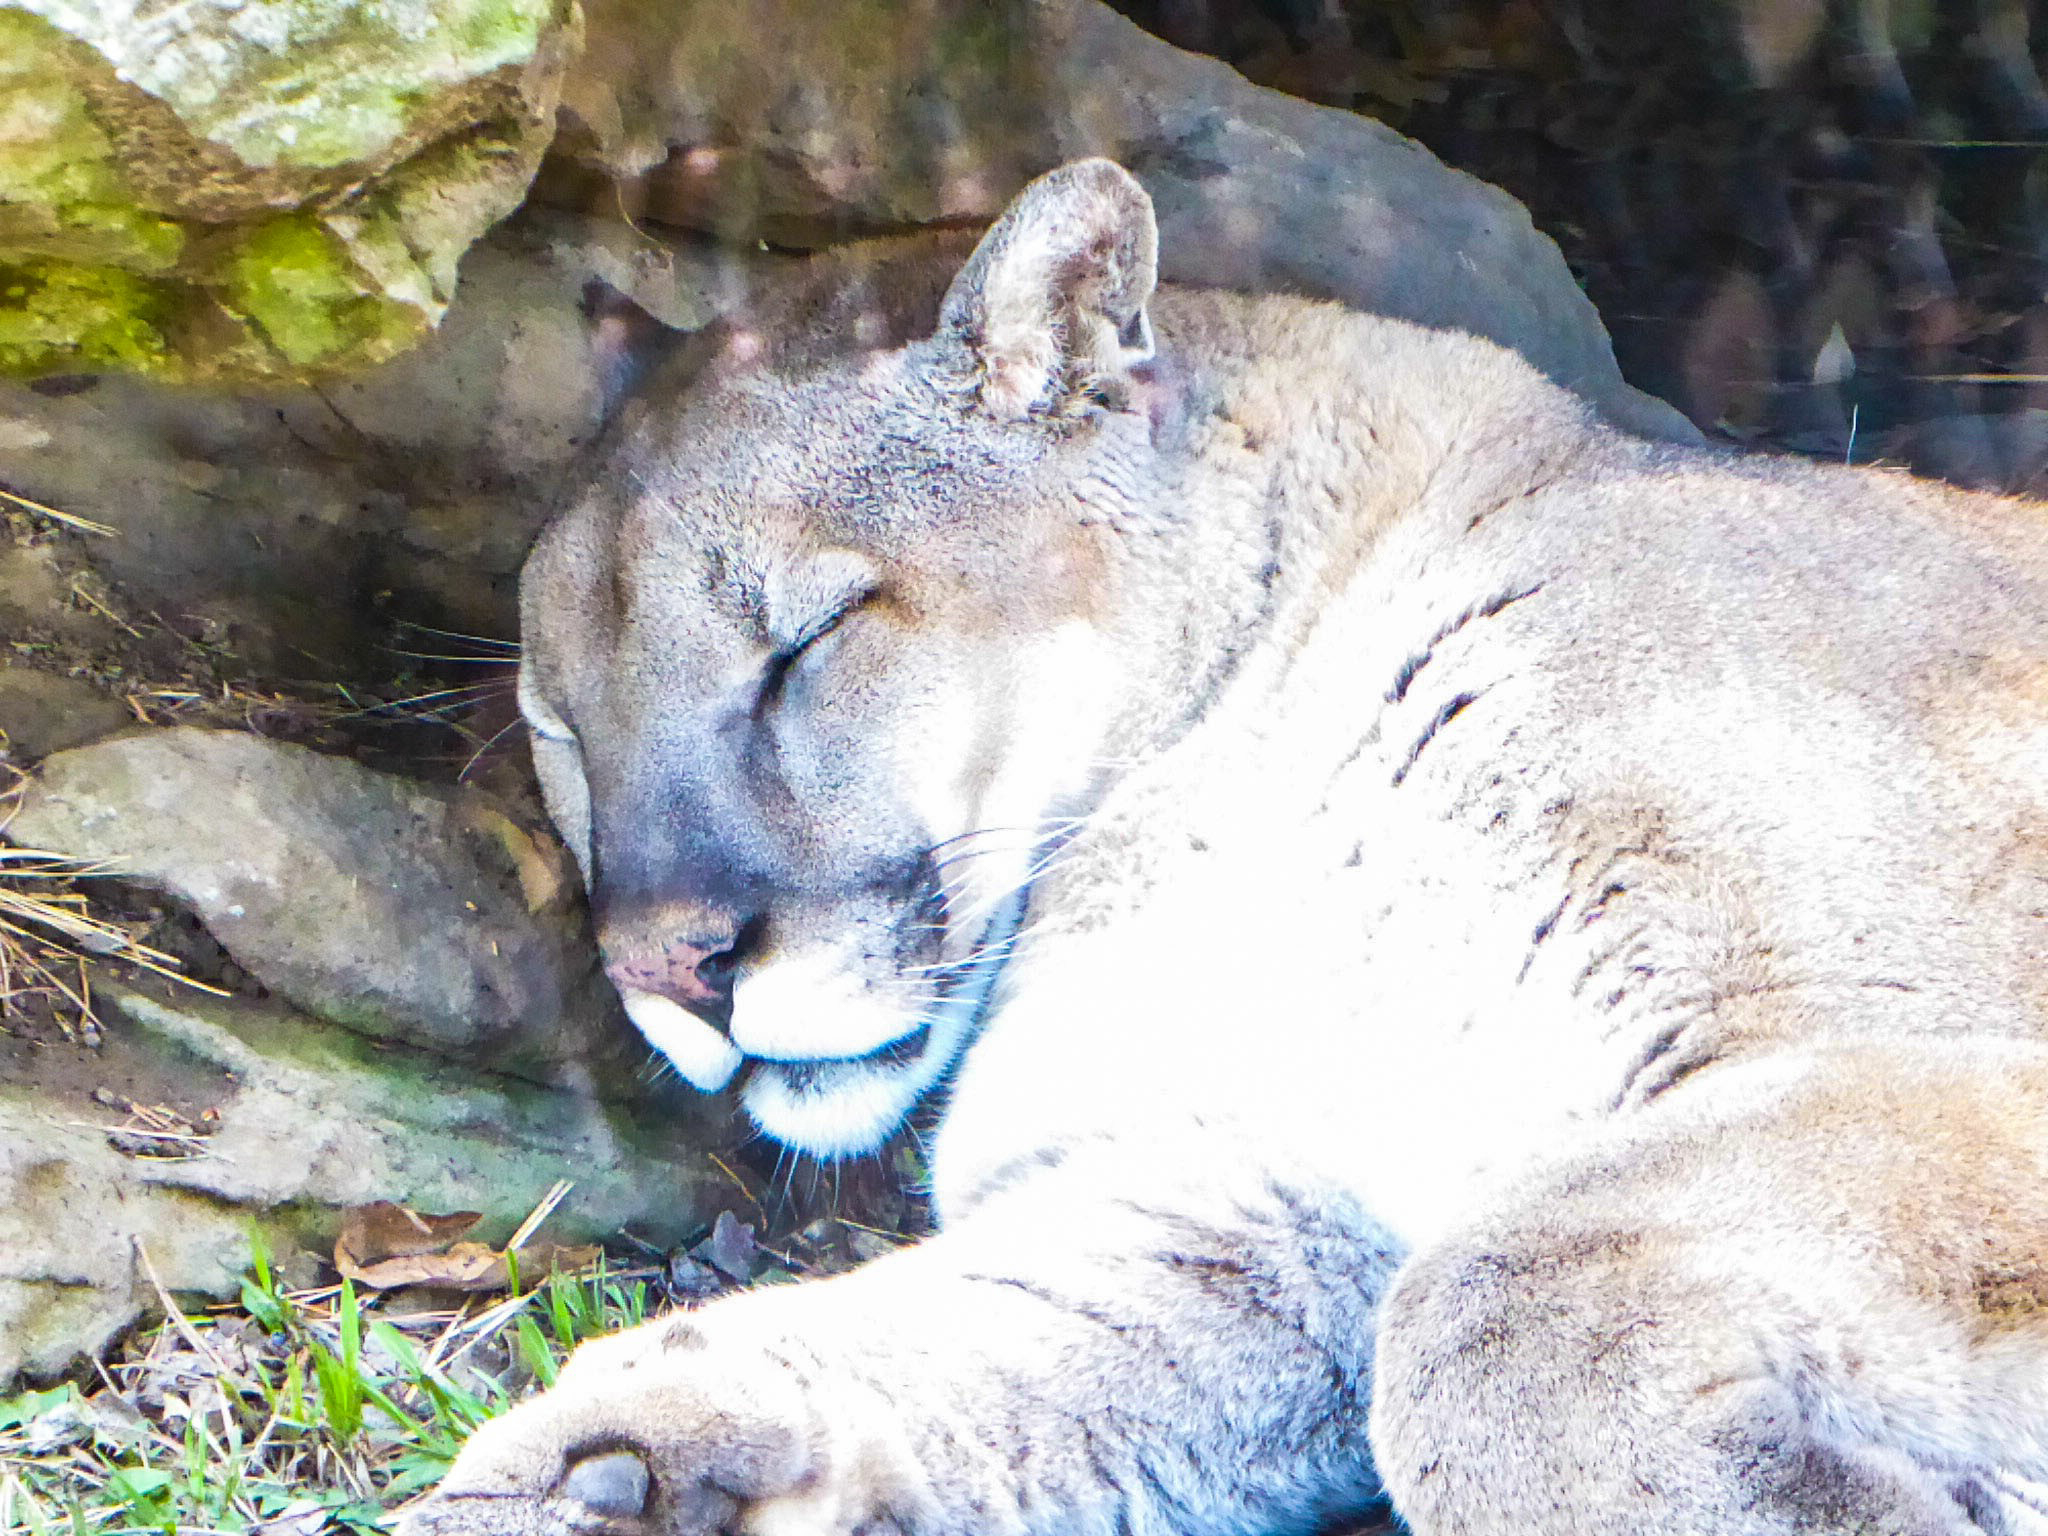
point(1051, 305)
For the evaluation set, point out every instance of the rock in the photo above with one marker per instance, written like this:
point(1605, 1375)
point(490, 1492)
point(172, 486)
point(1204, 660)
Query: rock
point(45, 712)
point(402, 910)
point(1729, 355)
point(288, 526)
point(1773, 38)
point(2007, 451)
point(247, 192)
point(797, 124)
point(312, 1121)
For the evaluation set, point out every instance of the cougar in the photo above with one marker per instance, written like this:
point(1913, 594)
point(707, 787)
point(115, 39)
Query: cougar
point(1470, 958)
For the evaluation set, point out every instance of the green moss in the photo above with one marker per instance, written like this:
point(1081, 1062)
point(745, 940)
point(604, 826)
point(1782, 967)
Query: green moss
point(294, 280)
point(105, 234)
point(57, 164)
point(55, 317)
point(109, 266)
point(493, 33)
point(468, 40)
point(340, 84)
point(54, 152)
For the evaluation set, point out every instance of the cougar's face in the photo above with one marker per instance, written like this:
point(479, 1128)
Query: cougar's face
point(810, 671)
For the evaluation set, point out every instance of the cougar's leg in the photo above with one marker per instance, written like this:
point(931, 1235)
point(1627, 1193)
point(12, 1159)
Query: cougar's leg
point(1807, 1293)
point(1173, 1340)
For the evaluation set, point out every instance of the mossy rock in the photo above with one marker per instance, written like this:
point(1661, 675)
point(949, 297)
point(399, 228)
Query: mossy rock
point(308, 1123)
point(257, 193)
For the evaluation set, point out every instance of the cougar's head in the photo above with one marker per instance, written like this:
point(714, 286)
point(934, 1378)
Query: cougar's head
point(825, 649)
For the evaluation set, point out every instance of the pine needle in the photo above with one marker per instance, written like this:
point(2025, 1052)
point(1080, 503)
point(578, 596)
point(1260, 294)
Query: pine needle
point(68, 519)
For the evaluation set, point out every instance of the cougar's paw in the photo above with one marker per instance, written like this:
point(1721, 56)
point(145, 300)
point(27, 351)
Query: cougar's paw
point(657, 1431)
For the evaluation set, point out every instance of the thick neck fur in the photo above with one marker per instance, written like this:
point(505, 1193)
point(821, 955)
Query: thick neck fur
point(1243, 555)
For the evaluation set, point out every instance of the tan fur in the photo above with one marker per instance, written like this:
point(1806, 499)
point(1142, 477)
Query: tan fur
point(1532, 989)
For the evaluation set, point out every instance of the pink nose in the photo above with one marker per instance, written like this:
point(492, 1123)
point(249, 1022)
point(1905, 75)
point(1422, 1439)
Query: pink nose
point(678, 970)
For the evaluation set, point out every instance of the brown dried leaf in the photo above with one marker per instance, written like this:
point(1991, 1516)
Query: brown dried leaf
point(464, 1267)
point(421, 1250)
point(474, 1267)
point(557, 1258)
point(541, 863)
point(373, 1234)
point(730, 1249)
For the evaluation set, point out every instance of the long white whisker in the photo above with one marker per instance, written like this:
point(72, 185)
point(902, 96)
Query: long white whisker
point(982, 910)
point(1052, 834)
point(477, 756)
point(457, 698)
point(511, 647)
point(981, 956)
point(1030, 831)
point(456, 656)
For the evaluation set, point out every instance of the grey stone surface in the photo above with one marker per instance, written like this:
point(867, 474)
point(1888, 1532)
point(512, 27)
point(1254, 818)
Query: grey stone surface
point(400, 909)
point(799, 123)
point(45, 712)
point(311, 1121)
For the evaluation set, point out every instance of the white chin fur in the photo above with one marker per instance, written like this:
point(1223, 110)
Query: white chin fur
point(853, 1111)
point(854, 1106)
point(700, 1054)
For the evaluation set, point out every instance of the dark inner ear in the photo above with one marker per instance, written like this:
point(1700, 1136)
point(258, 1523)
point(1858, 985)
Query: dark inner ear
point(627, 342)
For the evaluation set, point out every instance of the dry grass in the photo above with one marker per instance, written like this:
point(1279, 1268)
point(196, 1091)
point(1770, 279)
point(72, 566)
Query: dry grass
point(64, 519)
point(50, 936)
point(244, 706)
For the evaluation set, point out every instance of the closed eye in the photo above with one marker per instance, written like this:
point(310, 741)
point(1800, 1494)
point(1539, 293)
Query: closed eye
point(776, 673)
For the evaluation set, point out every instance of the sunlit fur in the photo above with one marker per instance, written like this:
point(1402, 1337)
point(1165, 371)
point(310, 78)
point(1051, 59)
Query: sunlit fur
point(1531, 995)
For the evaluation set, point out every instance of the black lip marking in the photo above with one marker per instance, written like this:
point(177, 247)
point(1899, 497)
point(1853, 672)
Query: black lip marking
point(801, 1075)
